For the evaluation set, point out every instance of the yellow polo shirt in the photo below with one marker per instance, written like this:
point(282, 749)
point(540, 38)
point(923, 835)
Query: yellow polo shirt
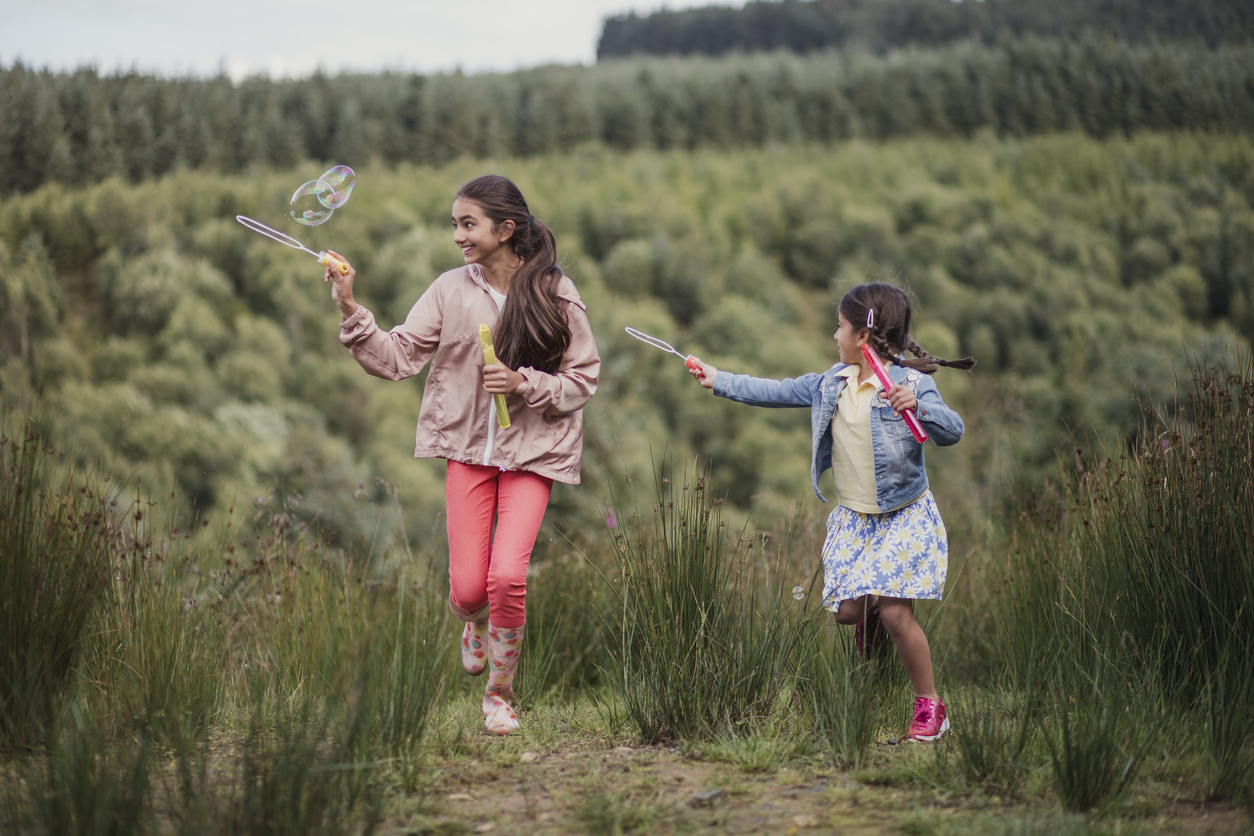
point(853, 460)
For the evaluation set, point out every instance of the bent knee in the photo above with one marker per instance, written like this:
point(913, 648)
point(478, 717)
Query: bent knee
point(850, 611)
point(896, 615)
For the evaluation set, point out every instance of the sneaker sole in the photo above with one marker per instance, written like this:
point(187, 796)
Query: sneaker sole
point(929, 738)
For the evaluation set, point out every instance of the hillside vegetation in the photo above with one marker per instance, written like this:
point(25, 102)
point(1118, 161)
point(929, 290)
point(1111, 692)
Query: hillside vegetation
point(163, 339)
point(82, 128)
point(881, 25)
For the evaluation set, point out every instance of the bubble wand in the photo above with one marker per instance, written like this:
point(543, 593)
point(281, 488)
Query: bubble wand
point(689, 360)
point(489, 359)
point(287, 240)
point(877, 366)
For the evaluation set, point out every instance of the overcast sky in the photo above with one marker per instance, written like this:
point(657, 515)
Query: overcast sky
point(295, 37)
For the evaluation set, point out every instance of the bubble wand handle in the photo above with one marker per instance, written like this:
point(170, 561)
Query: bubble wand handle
point(334, 263)
point(877, 366)
point(489, 359)
point(288, 241)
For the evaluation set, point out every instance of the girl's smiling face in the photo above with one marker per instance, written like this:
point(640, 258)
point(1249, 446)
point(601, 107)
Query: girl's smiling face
point(849, 341)
point(475, 236)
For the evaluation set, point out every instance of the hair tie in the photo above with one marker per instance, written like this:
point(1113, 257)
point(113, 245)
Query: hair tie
point(870, 318)
point(942, 362)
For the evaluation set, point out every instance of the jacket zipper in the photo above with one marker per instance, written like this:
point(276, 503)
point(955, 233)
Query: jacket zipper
point(487, 450)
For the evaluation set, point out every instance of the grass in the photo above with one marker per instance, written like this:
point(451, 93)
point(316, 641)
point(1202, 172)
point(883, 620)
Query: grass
point(56, 544)
point(992, 742)
point(1097, 749)
point(843, 694)
point(264, 682)
point(707, 636)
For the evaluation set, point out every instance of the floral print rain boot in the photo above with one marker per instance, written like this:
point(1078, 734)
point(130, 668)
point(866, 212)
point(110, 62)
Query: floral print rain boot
point(504, 644)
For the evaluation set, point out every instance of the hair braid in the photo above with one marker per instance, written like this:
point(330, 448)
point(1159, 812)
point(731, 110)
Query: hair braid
point(889, 333)
point(880, 343)
point(935, 362)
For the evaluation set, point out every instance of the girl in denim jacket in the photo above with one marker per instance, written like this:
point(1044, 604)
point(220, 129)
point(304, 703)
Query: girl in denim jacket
point(886, 544)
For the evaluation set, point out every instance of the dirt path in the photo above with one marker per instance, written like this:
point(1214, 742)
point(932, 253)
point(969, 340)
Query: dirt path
point(558, 781)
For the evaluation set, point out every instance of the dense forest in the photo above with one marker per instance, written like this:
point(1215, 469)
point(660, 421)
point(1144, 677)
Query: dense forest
point(81, 128)
point(161, 338)
point(881, 25)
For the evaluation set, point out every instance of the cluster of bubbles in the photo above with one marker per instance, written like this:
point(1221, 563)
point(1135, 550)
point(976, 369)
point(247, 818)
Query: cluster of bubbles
point(313, 202)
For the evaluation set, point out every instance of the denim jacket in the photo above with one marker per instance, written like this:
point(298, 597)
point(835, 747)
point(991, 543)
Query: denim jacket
point(900, 477)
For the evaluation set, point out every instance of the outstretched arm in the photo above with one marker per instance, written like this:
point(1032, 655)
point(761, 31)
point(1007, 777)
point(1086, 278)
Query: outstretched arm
point(401, 352)
point(757, 391)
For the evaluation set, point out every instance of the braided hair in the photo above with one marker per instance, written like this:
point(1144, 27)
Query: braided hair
point(884, 310)
point(532, 330)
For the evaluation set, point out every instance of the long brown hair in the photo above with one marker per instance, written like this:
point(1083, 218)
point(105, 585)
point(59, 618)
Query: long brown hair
point(890, 328)
point(532, 330)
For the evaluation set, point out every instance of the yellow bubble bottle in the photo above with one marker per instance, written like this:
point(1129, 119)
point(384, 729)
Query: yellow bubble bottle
point(489, 359)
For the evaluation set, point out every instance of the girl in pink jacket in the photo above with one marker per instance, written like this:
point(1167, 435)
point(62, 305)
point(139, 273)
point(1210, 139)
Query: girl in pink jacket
point(547, 369)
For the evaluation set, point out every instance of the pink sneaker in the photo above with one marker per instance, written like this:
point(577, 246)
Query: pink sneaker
point(868, 635)
point(929, 721)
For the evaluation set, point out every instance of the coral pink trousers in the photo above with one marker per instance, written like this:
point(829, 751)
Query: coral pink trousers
point(486, 567)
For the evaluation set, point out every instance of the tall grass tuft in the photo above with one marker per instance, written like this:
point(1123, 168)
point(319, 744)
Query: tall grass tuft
point(54, 563)
point(86, 783)
point(1230, 733)
point(843, 692)
point(991, 744)
point(1097, 748)
point(1145, 558)
point(412, 664)
point(300, 771)
point(163, 651)
point(565, 632)
point(707, 636)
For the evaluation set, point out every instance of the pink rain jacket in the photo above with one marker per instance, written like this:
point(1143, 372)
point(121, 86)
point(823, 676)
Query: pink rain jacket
point(456, 422)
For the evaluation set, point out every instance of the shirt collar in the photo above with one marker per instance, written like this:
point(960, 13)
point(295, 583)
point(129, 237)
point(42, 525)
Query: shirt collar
point(850, 373)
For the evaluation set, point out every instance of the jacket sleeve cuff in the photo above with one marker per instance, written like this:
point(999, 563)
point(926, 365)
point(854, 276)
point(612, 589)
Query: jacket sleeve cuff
point(528, 386)
point(348, 323)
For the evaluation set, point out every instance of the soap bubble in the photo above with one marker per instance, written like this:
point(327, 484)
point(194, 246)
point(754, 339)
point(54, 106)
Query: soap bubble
point(341, 179)
point(798, 592)
point(309, 203)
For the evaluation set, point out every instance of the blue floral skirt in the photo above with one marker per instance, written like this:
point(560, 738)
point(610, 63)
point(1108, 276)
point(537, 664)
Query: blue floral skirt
point(901, 554)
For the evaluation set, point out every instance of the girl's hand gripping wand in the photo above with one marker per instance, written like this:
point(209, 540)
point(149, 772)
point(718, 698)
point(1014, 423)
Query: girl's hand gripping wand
point(689, 360)
point(489, 359)
point(877, 365)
